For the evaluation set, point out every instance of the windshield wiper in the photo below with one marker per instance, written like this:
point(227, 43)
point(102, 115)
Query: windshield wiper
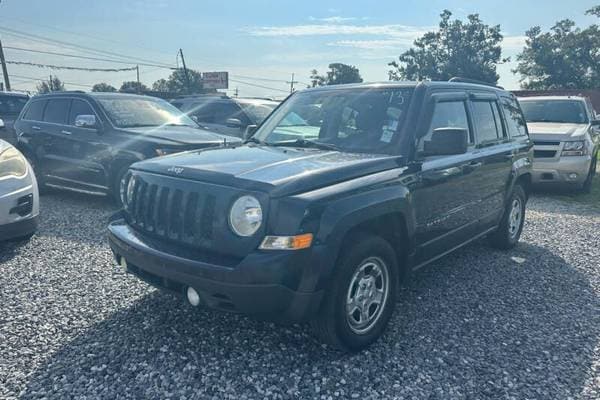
point(306, 143)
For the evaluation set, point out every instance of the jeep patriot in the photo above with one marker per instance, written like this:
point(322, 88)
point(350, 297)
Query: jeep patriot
point(337, 196)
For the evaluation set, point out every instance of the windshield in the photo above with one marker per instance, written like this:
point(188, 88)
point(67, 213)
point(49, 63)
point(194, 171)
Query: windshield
point(565, 111)
point(12, 104)
point(138, 112)
point(353, 120)
point(257, 112)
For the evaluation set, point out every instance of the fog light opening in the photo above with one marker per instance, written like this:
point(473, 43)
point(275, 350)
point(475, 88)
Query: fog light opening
point(193, 296)
point(572, 176)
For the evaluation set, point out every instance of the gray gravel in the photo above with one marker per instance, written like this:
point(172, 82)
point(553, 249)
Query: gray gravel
point(478, 324)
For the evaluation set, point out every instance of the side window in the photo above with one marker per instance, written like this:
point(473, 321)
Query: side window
point(204, 112)
point(56, 111)
point(486, 120)
point(226, 111)
point(79, 107)
point(515, 121)
point(447, 114)
point(35, 111)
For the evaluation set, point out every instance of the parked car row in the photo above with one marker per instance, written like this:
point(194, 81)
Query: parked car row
point(334, 197)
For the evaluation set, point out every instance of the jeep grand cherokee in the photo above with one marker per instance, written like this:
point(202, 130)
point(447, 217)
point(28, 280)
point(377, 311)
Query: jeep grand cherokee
point(338, 196)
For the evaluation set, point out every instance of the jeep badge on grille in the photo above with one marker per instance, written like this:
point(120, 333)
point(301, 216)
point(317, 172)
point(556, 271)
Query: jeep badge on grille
point(175, 170)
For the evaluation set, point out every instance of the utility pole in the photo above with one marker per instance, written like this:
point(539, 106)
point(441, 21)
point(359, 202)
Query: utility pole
point(137, 70)
point(292, 83)
point(237, 92)
point(185, 71)
point(4, 70)
point(50, 84)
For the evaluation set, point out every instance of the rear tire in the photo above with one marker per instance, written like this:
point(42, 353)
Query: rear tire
point(362, 296)
point(509, 231)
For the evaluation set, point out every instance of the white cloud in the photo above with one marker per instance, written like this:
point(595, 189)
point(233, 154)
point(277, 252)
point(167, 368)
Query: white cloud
point(513, 44)
point(336, 29)
point(336, 19)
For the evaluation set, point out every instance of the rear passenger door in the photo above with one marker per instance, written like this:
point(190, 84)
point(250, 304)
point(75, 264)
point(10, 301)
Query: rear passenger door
point(492, 164)
point(54, 141)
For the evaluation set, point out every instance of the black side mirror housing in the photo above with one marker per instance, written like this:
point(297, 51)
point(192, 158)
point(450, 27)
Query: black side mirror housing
point(250, 129)
point(447, 141)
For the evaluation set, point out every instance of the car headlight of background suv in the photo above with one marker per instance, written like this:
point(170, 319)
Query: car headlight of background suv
point(574, 149)
point(126, 191)
point(12, 163)
point(245, 216)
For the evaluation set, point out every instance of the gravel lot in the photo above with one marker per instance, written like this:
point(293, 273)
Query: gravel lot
point(477, 324)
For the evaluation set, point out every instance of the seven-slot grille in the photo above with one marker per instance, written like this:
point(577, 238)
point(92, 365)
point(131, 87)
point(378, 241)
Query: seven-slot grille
point(172, 213)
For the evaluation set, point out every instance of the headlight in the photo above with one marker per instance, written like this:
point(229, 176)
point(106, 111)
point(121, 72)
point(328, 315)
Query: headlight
point(245, 216)
point(127, 186)
point(12, 163)
point(574, 149)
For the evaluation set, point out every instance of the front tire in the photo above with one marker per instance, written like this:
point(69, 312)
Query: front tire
point(362, 296)
point(587, 185)
point(509, 231)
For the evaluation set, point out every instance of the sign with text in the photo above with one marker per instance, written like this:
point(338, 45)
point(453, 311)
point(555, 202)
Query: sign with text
point(215, 80)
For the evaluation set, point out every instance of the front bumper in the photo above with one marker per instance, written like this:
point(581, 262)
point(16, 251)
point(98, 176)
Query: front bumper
point(264, 283)
point(565, 170)
point(19, 229)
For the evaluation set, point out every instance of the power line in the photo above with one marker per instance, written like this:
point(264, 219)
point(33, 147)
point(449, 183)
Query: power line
point(42, 79)
point(51, 66)
point(258, 86)
point(76, 46)
point(81, 57)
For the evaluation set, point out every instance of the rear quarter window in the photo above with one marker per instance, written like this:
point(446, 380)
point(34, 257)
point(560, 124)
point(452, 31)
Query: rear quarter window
point(35, 110)
point(515, 121)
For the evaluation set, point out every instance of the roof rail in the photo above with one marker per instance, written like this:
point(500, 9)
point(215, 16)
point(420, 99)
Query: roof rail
point(467, 80)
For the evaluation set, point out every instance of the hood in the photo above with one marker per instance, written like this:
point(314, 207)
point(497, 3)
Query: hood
point(183, 135)
point(556, 130)
point(276, 170)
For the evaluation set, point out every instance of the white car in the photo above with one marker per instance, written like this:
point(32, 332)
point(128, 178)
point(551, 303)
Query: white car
point(19, 197)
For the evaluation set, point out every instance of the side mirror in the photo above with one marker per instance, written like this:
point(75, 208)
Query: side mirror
point(85, 121)
point(2, 126)
point(447, 141)
point(233, 123)
point(250, 129)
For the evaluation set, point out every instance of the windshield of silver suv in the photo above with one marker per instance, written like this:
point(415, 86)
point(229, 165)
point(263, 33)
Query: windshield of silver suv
point(563, 111)
point(139, 112)
point(353, 120)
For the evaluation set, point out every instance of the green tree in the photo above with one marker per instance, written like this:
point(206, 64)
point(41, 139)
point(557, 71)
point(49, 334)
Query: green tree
point(160, 85)
point(103, 87)
point(51, 85)
point(133, 87)
point(468, 49)
point(562, 58)
point(338, 74)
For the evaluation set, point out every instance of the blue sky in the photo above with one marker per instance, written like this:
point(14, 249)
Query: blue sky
point(251, 39)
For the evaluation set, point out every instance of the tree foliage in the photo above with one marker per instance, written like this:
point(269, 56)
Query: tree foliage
point(564, 57)
point(468, 49)
point(338, 74)
point(178, 84)
point(133, 87)
point(51, 85)
point(103, 87)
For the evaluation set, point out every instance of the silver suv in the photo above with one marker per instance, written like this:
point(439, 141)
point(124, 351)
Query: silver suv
point(566, 134)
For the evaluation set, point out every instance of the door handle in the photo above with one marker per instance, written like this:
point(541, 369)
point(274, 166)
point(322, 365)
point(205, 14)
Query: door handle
point(65, 132)
point(36, 128)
